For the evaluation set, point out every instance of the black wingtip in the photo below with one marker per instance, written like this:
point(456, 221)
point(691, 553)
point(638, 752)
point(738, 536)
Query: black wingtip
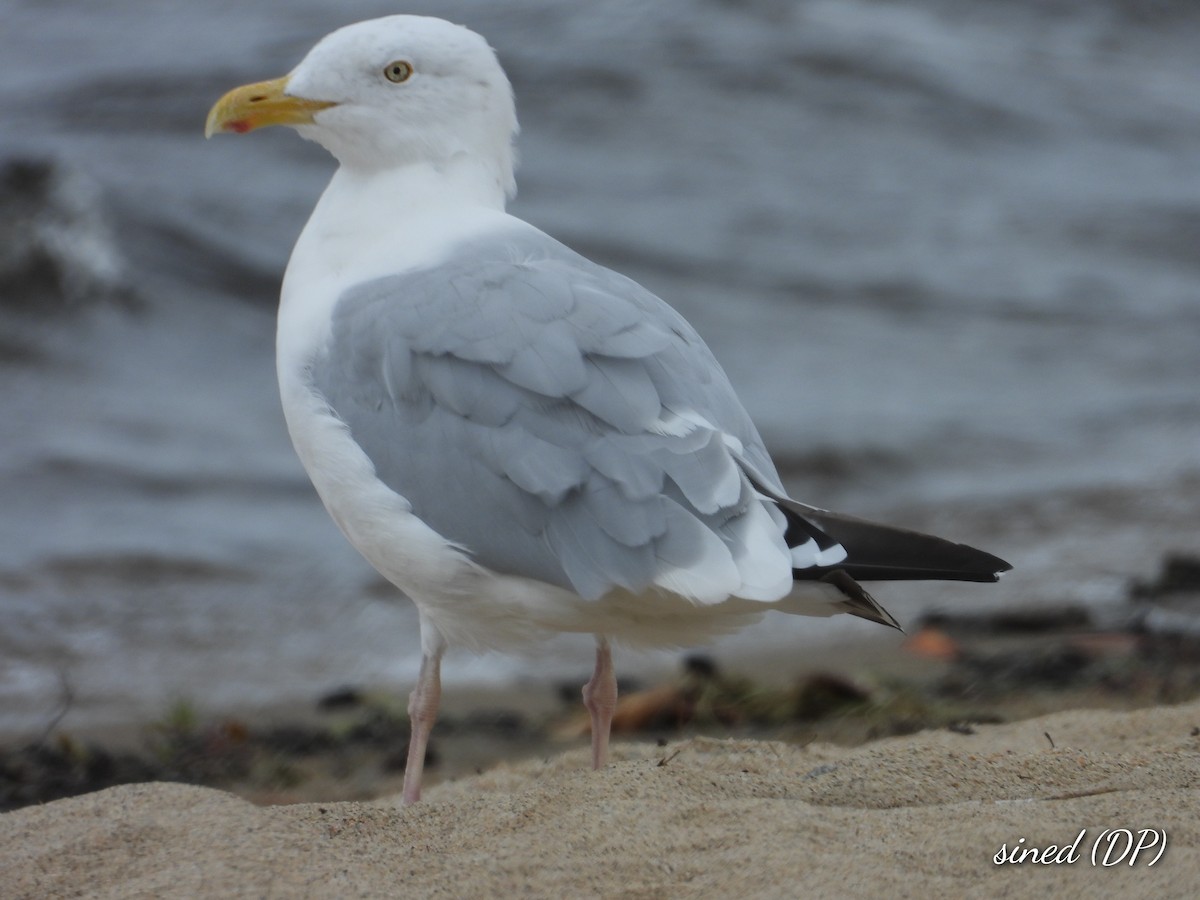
point(913, 572)
point(884, 553)
point(877, 552)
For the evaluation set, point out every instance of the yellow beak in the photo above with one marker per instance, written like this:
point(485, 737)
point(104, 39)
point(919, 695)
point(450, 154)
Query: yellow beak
point(259, 105)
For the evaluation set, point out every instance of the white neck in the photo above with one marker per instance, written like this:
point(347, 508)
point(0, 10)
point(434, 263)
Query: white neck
point(391, 217)
point(369, 224)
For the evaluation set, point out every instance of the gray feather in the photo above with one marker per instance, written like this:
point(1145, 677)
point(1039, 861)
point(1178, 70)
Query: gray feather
point(707, 476)
point(636, 474)
point(516, 395)
point(468, 389)
point(621, 393)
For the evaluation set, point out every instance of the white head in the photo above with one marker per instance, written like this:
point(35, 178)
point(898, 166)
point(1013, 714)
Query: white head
point(388, 93)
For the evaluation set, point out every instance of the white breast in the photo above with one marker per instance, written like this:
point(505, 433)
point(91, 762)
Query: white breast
point(352, 238)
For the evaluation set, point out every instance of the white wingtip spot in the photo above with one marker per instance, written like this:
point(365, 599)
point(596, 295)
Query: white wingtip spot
point(808, 554)
point(832, 556)
point(804, 555)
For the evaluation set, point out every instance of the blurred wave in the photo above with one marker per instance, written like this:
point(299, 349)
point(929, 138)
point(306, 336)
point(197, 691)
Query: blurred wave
point(947, 252)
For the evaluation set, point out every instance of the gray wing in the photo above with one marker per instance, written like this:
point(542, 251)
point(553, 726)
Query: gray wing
point(549, 415)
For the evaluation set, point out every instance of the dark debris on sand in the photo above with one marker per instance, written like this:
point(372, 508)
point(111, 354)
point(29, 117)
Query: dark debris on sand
point(351, 740)
point(953, 672)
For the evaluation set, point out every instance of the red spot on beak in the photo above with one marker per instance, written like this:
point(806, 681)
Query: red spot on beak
point(240, 126)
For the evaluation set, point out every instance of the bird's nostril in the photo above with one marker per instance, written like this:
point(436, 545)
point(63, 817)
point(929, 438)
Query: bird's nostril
point(258, 98)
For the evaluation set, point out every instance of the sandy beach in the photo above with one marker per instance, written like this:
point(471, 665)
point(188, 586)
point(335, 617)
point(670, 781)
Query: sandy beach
point(923, 815)
point(945, 252)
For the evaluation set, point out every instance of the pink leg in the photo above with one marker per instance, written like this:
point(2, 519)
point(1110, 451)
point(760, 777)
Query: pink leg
point(422, 711)
point(600, 698)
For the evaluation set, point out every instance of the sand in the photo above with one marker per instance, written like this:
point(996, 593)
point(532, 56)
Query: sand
point(919, 816)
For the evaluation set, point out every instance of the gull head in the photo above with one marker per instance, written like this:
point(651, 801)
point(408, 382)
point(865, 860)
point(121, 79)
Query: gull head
point(387, 93)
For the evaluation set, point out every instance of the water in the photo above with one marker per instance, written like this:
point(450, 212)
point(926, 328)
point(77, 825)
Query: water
point(947, 253)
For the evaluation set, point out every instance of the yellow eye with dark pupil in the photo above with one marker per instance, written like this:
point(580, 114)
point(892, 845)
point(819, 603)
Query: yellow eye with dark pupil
point(398, 71)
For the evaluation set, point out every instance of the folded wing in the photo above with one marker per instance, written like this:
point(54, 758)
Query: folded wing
point(558, 421)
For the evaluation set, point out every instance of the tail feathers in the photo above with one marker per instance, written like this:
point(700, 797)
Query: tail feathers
point(857, 601)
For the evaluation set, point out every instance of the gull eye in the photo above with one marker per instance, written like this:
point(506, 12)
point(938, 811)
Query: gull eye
point(397, 71)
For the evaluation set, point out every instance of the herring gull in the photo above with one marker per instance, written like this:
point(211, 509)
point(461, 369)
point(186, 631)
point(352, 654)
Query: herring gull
point(522, 441)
